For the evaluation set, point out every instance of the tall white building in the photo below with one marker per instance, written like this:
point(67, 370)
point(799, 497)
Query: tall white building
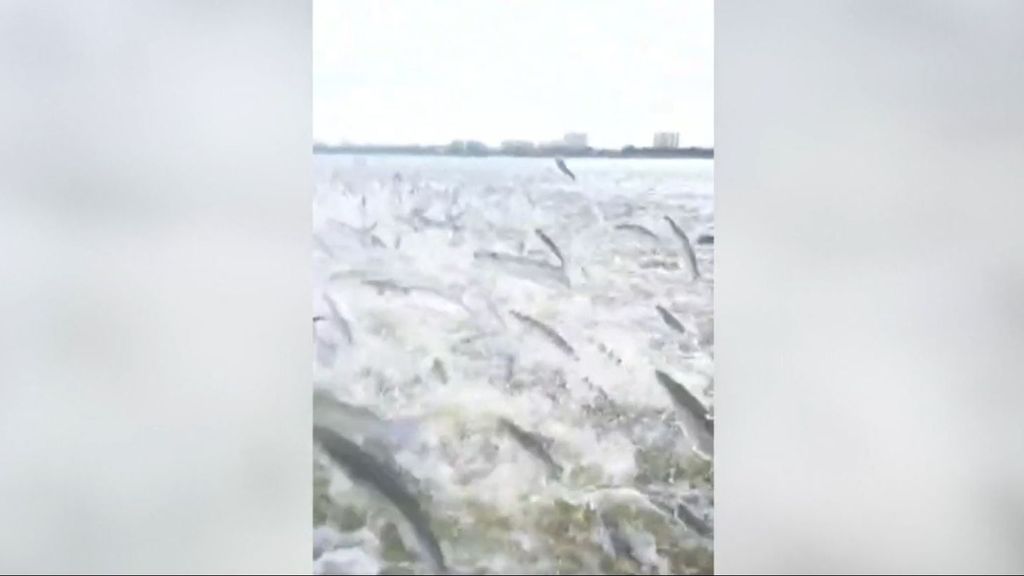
point(575, 140)
point(666, 140)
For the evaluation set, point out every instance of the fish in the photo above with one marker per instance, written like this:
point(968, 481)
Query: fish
point(323, 246)
point(669, 319)
point(338, 227)
point(637, 228)
point(674, 508)
point(384, 286)
point(565, 169)
point(697, 424)
point(691, 520)
point(620, 544)
point(547, 331)
point(524, 267)
point(353, 420)
point(437, 369)
point(691, 258)
point(338, 319)
point(532, 443)
point(326, 352)
point(366, 470)
point(551, 245)
point(417, 220)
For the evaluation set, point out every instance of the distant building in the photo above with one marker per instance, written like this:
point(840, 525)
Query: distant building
point(517, 145)
point(575, 140)
point(666, 140)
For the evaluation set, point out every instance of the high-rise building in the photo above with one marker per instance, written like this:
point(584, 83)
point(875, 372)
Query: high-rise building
point(575, 140)
point(666, 140)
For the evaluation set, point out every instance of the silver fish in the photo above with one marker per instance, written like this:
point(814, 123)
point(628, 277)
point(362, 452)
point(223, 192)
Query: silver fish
point(565, 169)
point(638, 229)
point(671, 320)
point(322, 246)
point(691, 520)
point(691, 258)
point(437, 369)
point(368, 471)
point(384, 286)
point(538, 271)
point(677, 509)
point(695, 419)
point(338, 319)
point(338, 227)
point(547, 331)
point(361, 422)
point(620, 544)
point(551, 245)
point(532, 443)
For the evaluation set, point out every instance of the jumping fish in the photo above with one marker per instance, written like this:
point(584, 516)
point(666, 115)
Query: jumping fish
point(338, 319)
point(671, 320)
point(621, 547)
point(367, 471)
point(696, 422)
point(551, 245)
point(437, 369)
point(547, 331)
point(322, 245)
point(525, 267)
point(533, 444)
point(691, 520)
point(691, 258)
point(565, 169)
point(383, 286)
point(638, 229)
point(361, 422)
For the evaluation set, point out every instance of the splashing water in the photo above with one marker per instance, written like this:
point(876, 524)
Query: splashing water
point(431, 360)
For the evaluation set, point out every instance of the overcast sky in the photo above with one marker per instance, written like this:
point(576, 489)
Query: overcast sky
point(407, 71)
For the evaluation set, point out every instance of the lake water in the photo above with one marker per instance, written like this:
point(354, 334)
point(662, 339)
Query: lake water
point(452, 314)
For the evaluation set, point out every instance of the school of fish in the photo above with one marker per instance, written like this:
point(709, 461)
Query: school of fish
point(513, 366)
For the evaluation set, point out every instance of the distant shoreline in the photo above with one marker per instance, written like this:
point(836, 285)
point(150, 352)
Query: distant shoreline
point(628, 152)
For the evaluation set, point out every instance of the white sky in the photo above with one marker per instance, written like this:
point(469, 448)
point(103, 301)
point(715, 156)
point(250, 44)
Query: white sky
point(432, 71)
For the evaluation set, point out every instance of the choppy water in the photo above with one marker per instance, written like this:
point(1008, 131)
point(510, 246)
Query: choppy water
point(436, 346)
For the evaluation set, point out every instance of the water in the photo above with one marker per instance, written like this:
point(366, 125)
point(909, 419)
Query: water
point(433, 264)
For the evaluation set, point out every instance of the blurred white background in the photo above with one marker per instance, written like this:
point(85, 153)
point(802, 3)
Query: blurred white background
point(871, 271)
point(154, 232)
